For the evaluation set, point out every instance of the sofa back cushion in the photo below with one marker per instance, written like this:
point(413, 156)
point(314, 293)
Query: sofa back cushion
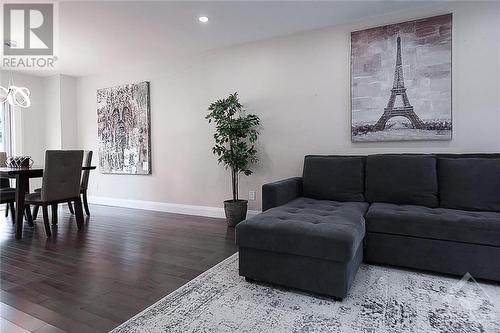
point(337, 178)
point(469, 183)
point(402, 179)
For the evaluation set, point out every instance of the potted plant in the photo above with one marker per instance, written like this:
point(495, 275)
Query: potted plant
point(235, 136)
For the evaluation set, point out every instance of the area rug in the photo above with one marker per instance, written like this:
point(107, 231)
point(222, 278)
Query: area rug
point(382, 299)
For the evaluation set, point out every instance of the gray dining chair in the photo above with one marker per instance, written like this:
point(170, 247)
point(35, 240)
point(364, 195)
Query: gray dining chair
point(84, 183)
point(6, 192)
point(8, 197)
point(60, 184)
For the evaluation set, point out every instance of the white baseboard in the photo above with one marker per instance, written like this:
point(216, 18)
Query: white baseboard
point(164, 207)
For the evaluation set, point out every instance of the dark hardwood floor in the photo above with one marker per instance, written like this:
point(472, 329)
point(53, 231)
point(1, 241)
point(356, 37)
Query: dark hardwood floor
point(91, 281)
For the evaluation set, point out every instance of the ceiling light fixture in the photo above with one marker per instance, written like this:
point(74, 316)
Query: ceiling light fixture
point(203, 19)
point(14, 95)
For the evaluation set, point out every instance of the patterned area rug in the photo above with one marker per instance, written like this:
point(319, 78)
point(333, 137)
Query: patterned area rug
point(381, 299)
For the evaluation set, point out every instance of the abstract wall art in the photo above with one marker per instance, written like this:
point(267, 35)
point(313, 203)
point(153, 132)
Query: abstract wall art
point(124, 129)
point(401, 81)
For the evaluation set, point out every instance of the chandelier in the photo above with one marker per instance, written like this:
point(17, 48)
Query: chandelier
point(15, 96)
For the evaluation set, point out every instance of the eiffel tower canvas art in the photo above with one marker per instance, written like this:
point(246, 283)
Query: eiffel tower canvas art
point(401, 81)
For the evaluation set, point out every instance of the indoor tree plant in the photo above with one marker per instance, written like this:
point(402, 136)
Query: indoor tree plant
point(235, 137)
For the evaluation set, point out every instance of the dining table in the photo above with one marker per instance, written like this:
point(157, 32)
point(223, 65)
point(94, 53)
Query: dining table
point(22, 177)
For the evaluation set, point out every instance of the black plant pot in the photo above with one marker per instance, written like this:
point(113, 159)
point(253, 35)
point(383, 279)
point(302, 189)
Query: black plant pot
point(236, 211)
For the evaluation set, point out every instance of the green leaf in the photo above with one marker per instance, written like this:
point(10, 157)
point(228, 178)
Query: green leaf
point(235, 134)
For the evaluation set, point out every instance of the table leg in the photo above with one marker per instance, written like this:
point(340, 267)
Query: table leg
point(54, 214)
point(27, 213)
point(21, 188)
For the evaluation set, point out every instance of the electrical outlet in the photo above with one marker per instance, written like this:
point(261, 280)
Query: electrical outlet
point(251, 195)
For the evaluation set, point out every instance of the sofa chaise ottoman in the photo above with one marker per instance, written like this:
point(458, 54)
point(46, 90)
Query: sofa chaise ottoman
point(313, 242)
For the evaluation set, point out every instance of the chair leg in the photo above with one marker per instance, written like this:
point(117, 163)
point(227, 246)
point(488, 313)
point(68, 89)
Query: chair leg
point(6, 210)
point(35, 212)
point(12, 212)
point(54, 214)
point(70, 207)
point(85, 202)
point(79, 212)
point(29, 218)
point(46, 220)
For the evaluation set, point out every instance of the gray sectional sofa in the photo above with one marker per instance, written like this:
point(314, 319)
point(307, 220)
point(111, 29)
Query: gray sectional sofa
point(434, 212)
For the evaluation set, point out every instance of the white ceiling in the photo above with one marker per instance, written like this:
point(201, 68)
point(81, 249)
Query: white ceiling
point(97, 37)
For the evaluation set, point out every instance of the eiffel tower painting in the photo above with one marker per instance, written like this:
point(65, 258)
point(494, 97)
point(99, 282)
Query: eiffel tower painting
point(392, 104)
point(398, 89)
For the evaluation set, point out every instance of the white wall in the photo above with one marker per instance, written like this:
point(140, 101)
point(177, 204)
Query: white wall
point(60, 109)
point(69, 128)
point(52, 91)
point(299, 86)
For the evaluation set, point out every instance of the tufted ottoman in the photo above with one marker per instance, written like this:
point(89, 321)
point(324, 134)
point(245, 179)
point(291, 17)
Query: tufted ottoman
point(308, 244)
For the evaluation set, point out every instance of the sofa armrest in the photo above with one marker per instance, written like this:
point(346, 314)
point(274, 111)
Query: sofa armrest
point(280, 192)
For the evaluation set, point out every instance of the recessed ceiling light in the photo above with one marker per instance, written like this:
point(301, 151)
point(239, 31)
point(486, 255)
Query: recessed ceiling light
point(203, 19)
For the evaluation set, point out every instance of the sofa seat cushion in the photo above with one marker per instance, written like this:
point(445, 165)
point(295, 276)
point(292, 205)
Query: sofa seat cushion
point(436, 223)
point(308, 227)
